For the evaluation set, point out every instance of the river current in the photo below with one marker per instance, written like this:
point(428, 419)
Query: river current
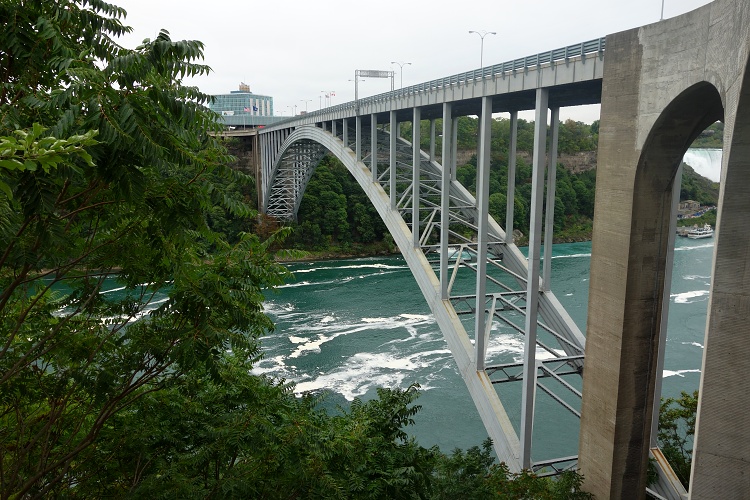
point(350, 326)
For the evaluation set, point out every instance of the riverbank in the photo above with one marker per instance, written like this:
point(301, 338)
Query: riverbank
point(384, 249)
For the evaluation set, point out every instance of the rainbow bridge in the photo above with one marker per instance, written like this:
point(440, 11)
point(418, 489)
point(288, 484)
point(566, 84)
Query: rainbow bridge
point(659, 86)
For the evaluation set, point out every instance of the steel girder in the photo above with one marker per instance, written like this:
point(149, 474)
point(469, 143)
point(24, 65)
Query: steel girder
point(295, 165)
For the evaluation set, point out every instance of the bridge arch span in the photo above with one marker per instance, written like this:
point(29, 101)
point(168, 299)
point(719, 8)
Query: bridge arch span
point(483, 393)
point(505, 298)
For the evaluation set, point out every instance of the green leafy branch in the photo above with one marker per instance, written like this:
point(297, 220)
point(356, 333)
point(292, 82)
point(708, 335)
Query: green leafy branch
point(30, 150)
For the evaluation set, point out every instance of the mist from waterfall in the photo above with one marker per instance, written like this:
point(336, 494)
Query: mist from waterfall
point(705, 162)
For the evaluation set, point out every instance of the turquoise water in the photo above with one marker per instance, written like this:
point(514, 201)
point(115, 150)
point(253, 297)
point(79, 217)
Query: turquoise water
point(350, 326)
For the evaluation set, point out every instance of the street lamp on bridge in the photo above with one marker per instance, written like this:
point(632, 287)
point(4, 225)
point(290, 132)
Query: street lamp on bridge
point(305, 101)
point(482, 34)
point(356, 85)
point(401, 66)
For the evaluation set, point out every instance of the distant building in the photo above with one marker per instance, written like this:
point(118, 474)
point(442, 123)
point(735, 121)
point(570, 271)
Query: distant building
point(242, 101)
point(689, 205)
point(242, 108)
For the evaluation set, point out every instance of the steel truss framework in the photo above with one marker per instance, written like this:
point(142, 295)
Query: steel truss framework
point(455, 261)
point(472, 275)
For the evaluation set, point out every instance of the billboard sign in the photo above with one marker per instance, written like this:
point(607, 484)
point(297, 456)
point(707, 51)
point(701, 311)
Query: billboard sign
point(374, 73)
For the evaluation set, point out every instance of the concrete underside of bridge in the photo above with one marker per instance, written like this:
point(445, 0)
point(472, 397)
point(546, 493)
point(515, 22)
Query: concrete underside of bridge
point(663, 84)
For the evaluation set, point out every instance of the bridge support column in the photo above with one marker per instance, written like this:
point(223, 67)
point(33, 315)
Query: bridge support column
point(393, 144)
point(677, 184)
point(643, 136)
point(358, 138)
point(532, 285)
point(374, 146)
point(345, 132)
point(333, 128)
point(549, 222)
point(482, 323)
point(511, 193)
point(454, 142)
point(432, 140)
point(416, 159)
point(721, 453)
point(445, 188)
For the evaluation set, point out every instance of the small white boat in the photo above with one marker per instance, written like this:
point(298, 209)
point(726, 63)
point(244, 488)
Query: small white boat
point(701, 232)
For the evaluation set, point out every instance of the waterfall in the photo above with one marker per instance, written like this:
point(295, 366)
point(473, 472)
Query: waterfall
point(705, 162)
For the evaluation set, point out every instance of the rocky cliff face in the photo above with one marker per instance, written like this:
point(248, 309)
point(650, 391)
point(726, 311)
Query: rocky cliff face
point(575, 163)
point(578, 162)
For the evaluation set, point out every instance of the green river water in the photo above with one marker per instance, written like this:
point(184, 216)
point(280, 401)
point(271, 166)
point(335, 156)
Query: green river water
point(350, 326)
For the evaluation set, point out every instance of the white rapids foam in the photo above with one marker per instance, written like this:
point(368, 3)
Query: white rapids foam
point(353, 266)
point(679, 373)
point(695, 247)
point(691, 277)
point(685, 297)
point(571, 256)
point(364, 371)
point(696, 344)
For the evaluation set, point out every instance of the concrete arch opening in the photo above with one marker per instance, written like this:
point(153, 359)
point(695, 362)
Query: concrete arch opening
point(628, 305)
point(656, 196)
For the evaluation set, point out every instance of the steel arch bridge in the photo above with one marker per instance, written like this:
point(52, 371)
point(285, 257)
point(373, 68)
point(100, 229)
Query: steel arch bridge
point(444, 253)
point(662, 84)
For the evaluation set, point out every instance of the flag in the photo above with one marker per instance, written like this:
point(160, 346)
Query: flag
point(333, 94)
point(247, 110)
point(255, 108)
point(327, 96)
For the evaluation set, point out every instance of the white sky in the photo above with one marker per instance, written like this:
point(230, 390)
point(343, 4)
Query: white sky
point(294, 49)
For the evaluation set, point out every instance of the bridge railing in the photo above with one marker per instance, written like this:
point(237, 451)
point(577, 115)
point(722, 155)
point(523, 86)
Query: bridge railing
point(561, 54)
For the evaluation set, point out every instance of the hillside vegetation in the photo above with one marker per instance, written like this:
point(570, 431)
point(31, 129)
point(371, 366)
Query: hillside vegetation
point(335, 216)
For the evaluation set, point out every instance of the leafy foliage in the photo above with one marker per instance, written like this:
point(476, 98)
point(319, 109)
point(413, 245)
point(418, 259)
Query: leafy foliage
point(712, 137)
point(106, 167)
point(676, 430)
point(249, 437)
point(697, 188)
point(335, 212)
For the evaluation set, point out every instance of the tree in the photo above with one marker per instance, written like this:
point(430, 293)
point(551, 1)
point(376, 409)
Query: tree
point(106, 167)
point(676, 430)
point(109, 179)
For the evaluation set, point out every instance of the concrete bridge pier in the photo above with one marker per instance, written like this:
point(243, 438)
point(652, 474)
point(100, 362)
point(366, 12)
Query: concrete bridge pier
point(663, 84)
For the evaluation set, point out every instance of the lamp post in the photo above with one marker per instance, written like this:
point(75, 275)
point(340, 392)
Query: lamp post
point(401, 67)
point(356, 81)
point(482, 34)
point(305, 101)
point(662, 10)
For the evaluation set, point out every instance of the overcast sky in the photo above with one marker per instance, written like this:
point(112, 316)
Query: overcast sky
point(294, 49)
